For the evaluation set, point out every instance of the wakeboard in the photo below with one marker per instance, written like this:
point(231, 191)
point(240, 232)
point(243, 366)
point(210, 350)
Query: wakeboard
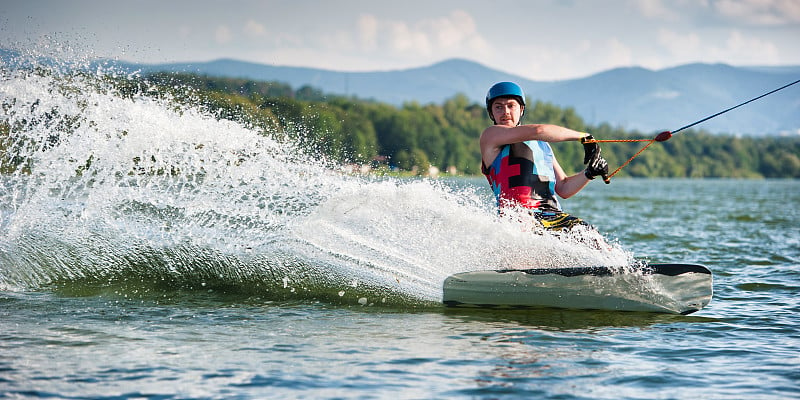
point(661, 288)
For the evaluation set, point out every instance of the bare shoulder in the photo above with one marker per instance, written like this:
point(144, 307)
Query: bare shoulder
point(498, 135)
point(492, 139)
point(488, 150)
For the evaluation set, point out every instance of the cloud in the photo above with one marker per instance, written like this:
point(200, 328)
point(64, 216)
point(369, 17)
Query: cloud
point(367, 31)
point(404, 39)
point(454, 30)
point(184, 31)
point(748, 12)
point(540, 61)
point(748, 50)
point(366, 42)
point(760, 12)
point(619, 54)
point(446, 35)
point(732, 48)
point(657, 9)
point(681, 46)
point(254, 29)
point(223, 35)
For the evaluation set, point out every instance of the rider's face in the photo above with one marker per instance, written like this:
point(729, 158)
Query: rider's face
point(506, 111)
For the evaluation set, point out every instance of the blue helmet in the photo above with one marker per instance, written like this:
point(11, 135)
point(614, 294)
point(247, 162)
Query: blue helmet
point(504, 89)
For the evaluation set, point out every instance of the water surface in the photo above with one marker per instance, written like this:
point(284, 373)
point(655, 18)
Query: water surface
point(152, 251)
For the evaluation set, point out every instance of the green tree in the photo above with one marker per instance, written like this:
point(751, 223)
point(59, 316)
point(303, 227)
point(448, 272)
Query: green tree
point(347, 129)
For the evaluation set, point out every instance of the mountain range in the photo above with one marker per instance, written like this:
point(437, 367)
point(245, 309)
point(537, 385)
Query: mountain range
point(631, 98)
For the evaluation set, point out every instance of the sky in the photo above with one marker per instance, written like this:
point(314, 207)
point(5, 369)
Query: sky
point(535, 39)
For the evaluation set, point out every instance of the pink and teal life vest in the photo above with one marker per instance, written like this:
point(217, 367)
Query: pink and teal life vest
point(523, 175)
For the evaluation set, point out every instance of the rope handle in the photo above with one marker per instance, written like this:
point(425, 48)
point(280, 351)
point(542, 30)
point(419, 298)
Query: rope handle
point(661, 137)
point(664, 136)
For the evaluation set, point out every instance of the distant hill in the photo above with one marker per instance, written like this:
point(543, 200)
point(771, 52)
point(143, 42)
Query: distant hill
point(631, 98)
point(646, 100)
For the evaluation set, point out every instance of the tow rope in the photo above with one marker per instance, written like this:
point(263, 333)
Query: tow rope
point(666, 135)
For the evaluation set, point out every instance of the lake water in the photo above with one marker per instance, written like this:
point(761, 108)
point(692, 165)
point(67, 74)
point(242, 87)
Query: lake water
point(155, 252)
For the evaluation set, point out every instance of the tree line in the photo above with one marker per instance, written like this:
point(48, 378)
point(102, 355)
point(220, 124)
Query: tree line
point(414, 136)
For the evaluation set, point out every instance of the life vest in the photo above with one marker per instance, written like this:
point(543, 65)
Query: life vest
point(523, 175)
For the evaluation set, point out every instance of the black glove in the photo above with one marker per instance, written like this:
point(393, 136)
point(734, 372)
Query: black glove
point(597, 166)
point(589, 149)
